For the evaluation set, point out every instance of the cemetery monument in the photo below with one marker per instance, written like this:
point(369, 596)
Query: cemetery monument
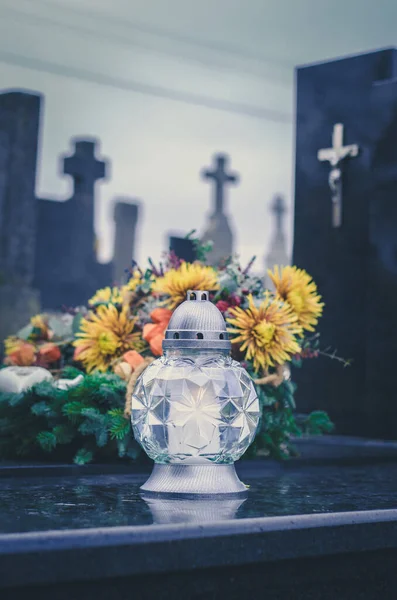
point(346, 234)
point(19, 132)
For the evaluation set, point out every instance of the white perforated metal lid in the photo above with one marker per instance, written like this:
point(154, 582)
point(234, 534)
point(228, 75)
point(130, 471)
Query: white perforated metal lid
point(197, 323)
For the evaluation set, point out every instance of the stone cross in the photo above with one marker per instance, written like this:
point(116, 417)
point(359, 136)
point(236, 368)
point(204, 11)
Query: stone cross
point(335, 156)
point(278, 209)
point(84, 168)
point(221, 178)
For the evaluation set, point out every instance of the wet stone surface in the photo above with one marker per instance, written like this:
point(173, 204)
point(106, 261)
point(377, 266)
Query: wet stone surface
point(75, 502)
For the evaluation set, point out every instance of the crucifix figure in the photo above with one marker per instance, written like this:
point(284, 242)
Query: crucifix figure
point(221, 178)
point(335, 156)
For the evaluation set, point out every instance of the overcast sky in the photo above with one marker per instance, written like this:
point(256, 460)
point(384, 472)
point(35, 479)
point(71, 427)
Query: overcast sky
point(240, 52)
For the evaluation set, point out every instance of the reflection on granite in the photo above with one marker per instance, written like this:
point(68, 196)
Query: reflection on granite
point(165, 511)
point(38, 504)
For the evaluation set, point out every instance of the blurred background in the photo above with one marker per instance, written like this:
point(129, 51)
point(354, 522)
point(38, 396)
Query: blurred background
point(164, 86)
point(155, 94)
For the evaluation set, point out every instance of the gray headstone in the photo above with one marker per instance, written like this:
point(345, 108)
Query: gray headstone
point(277, 254)
point(218, 229)
point(346, 235)
point(19, 130)
point(126, 217)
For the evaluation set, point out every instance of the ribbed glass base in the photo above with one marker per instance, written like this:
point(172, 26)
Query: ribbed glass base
point(194, 480)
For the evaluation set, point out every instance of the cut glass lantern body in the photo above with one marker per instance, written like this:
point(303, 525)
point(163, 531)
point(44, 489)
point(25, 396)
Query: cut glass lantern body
point(195, 410)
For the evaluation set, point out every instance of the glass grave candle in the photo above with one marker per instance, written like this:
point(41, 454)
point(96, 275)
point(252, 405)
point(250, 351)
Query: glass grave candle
point(195, 410)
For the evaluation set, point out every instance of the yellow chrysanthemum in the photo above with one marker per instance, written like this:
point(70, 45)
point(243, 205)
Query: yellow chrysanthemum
point(267, 332)
point(297, 288)
point(11, 344)
point(189, 276)
point(107, 295)
point(133, 282)
point(104, 336)
point(128, 290)
point(40, 326)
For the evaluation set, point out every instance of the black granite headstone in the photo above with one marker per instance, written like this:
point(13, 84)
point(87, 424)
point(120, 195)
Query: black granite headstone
point(354, 264)
point(183, 248)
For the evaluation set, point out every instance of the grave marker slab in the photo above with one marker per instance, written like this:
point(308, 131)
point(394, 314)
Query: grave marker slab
point(183, 248)
point(19, 130)
point(126, 215)
point(355, 262)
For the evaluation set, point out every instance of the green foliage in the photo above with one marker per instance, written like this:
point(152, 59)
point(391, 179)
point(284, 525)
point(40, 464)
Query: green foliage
point(61, 327)
point(83, 456)
point(25, 332)
point(77, 425)
point(87, 422)
point(70, 372)
point(279, 423)
point(202, 249)
point(77, 322)
point(317, 423)
point(47, 440)
point(118, 424)
point(42, 409)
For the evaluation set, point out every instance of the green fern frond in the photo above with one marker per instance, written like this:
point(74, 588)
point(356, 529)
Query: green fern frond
point(47, 440)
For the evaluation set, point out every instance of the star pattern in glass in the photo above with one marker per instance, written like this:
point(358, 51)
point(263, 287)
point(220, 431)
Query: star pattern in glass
point(195, 409)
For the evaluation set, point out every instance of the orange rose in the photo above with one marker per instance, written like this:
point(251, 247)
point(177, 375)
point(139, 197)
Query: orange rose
point(24, 355)
point(153, 333)
point(49, 353)
point(161, 315)
point(156, 343)
point(133, 358)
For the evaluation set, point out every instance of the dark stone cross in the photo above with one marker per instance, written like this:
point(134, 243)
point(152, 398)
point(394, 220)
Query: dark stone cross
point(221, 178)
point(84, 168)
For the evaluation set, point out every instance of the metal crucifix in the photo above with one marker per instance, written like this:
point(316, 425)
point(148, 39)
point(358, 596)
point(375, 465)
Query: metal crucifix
point(335, 156)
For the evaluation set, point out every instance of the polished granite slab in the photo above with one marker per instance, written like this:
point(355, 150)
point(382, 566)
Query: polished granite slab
point(323, 526)
point(59, 503)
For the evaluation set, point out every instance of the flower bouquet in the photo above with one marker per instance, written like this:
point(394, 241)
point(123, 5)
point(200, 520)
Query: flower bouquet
point(121, 331)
